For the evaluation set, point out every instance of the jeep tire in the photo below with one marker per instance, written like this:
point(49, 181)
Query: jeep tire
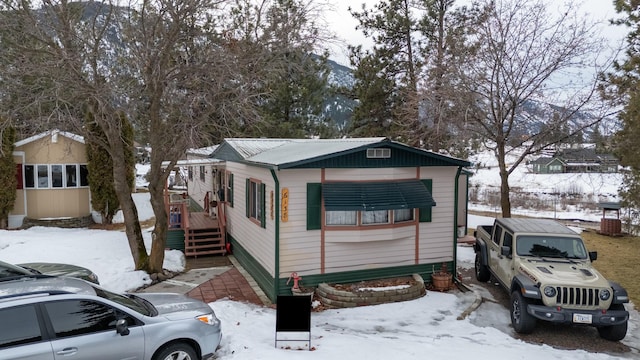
point(614, 332)
point(482, 271)
point(521, 320)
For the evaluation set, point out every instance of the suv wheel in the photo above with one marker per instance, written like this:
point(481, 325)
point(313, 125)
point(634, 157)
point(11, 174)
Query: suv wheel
point(179, 351)
point(521, 320)
point(482, 271)
point(614, 332)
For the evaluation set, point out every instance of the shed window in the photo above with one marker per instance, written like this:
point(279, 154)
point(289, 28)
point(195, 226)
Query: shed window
point(43, 176)
point(29, 176)
point(71, 175)
point(56, 176)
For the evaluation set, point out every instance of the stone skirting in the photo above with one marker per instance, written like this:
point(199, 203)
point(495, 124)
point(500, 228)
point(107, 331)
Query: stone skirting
point(332, 297)
point(78, 222)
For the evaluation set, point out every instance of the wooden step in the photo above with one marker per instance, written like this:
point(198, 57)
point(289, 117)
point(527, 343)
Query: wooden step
point(204, 252)
point(204, 241)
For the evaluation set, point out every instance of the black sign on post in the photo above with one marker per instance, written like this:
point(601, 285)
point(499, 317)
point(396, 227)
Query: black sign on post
point(293, 314)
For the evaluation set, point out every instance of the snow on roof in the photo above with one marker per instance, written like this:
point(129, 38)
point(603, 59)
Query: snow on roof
point(281, 151)
point(52, 133)
point(203, 151)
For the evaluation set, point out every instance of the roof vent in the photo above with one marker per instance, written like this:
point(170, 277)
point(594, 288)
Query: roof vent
point(379, 153)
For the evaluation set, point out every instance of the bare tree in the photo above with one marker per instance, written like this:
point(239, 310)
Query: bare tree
point(160, 63)
point(527, 52)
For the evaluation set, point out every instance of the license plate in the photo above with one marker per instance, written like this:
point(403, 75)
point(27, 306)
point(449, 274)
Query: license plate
point(582, 318)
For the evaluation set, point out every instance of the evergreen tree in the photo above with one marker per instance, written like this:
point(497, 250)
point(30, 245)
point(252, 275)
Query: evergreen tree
point(626, 89)
point(294, 81)
point(404, 85)
point(7, 173)
point(100, 167)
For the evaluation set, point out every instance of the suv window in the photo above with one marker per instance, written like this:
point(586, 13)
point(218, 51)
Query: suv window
point(497, 234)
point(23, 329)
point(80, 317)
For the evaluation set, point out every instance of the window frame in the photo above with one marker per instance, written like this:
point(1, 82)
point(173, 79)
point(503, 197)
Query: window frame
point(255, 201)
point(31, 176)
point(360, 223)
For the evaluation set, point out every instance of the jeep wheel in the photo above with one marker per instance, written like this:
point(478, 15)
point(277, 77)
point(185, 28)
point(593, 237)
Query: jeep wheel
point(614, 332)
point(521, 320)
point(482, 271)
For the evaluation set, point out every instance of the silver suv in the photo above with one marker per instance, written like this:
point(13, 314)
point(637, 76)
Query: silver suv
point(54, 317)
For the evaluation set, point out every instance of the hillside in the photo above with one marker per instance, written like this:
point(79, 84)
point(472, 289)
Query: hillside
point(563, 196)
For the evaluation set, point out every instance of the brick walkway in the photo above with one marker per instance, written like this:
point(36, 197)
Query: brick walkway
point(230, 284)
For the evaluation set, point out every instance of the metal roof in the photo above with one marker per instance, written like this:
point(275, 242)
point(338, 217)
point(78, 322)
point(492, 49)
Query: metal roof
point(282, 151)
point(289, 153)
point(204, 151)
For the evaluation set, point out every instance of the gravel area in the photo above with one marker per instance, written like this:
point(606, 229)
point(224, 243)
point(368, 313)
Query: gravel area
point(569, 337)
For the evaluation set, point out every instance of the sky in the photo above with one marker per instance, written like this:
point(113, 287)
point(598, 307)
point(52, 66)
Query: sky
point(340, 21)
point(425, 327)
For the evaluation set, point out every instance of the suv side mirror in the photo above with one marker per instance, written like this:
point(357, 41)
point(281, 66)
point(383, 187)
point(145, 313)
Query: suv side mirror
point(506, 251)
point(122, 328)
point(593, 255)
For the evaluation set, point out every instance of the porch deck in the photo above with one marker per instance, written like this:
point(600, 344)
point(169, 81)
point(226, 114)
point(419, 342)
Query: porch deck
point(202, 220)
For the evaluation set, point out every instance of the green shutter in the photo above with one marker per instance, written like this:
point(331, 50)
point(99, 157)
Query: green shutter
point(247, 197)
point(425, 213)
point(314, 202)
point(263, 218)
point(231, 190)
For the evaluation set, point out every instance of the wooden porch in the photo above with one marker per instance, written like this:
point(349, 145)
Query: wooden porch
point(204, 231)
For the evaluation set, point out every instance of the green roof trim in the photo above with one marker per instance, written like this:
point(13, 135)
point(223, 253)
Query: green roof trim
point(359, 196)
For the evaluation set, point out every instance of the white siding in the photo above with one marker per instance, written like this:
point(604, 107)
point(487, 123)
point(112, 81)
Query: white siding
point(373, 249)
point(371, 174)
point(299, 248)
point(436, 237)
point(258, 241)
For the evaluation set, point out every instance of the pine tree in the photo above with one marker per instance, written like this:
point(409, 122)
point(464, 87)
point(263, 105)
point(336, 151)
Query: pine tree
point(7, 173)
point(294, 84)
point(404, 84)
point(625, 88)
point(100, 167)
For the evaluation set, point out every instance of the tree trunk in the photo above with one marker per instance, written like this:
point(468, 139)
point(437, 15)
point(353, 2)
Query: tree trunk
point(505, 202)
point(129, 212)
point(156, 258)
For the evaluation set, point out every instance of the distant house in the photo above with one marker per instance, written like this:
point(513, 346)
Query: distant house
point(574, 161)
point(52, 179)
point(337, 210)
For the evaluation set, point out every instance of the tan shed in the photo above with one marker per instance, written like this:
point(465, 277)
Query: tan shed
point(52, 179)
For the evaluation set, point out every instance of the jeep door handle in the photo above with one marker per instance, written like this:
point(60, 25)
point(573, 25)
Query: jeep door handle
point(67, 351)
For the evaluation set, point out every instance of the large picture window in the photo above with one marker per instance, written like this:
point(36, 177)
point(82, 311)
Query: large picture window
point(57, 176)
point(376, 217)
point(339, 205)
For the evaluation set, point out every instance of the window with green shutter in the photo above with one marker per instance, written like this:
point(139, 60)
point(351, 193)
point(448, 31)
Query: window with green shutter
point(314, 206)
